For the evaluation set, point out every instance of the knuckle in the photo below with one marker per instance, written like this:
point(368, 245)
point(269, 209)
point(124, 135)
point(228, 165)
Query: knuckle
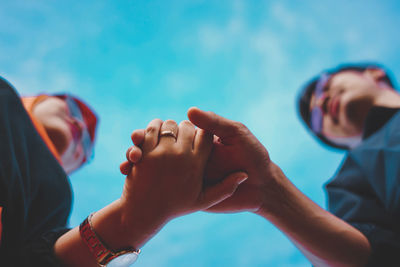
point(186, 122)
point(163, 152)
point(154, 156)
point(153, 126)
point(187, 125)
point(151, 129)
point(181, 153)
point(216, 118)
point(239, 127)
point(213, 114)
point(169, 121)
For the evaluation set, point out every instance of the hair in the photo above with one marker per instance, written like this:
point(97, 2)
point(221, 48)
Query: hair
point(307, 90)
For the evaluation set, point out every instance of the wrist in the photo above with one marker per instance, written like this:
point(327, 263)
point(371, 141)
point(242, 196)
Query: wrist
point(119, 228)
point(139, 222)
point(275, 191)
point(109, 226)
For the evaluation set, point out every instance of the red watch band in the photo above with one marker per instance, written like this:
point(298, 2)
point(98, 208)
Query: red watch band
point(95, 246)
point(98, 249)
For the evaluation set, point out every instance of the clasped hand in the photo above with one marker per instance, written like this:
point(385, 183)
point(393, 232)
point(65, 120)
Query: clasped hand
point(200, 170)
point(168, 181)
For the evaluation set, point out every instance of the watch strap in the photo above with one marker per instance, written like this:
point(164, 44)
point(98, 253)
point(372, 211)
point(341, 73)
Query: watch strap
point(98, 249)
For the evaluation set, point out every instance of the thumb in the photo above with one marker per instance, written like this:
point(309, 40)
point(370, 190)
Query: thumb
point(212, 122)
point(215, 194)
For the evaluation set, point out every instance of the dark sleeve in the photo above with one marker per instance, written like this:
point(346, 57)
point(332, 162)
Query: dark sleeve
point(352, 198)
point(34, 190)
point(385, 244)
point(40, 251)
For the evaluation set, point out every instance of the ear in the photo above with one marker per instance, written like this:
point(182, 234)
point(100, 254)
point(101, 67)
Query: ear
point(376, 74)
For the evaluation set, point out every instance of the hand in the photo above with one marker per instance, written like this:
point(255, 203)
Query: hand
point(322, 237)
point(168, 180)
point(236, 149)
point(134, 153)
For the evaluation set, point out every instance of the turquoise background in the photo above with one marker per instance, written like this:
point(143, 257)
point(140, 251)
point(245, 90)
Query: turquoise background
point(138, 60)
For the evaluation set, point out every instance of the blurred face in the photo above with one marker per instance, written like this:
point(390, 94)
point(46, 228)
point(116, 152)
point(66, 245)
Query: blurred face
point(64, 130)
point(344, 103)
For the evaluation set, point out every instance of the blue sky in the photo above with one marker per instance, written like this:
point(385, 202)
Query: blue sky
point(137, 60)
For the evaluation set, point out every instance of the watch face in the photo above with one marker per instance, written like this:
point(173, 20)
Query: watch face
point(124, 260)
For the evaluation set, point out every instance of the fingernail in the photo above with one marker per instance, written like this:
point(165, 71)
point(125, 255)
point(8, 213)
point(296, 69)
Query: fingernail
point(242, 179)
point(132, 155)
point(127, 152)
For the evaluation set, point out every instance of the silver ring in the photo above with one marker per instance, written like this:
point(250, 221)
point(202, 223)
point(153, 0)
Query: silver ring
point(168, 133)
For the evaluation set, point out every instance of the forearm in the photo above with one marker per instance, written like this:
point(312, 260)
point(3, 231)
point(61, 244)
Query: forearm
point(323, 238)
point(114, 229)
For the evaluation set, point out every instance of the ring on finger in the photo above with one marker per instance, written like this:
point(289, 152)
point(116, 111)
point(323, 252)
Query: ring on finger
point(168, 133)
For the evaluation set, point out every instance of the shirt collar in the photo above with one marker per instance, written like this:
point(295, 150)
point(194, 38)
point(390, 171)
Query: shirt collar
point(376, 119)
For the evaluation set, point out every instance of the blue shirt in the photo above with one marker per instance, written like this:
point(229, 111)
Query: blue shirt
point(366, 189)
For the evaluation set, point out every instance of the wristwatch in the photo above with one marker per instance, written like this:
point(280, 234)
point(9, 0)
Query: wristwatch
point(105, 257)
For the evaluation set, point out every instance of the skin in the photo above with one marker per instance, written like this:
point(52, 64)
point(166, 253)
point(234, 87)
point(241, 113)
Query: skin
point(270, 194)
point(166, 183)
point(159, 169)
point(54, 115)
point(348, 98)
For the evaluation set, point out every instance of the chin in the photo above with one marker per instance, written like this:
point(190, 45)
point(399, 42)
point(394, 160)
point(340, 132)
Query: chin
point(59, 138)
point(355, 114)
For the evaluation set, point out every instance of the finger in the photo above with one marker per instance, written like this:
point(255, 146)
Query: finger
point(213, 123)
point(243, 199)
point(137, 136)
point(203, 142)
point(151, 136)
point(221, 191)
point(128, 151)
point(125, 167)
point(168, 132)
point(186, 134)
point(135, 154)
